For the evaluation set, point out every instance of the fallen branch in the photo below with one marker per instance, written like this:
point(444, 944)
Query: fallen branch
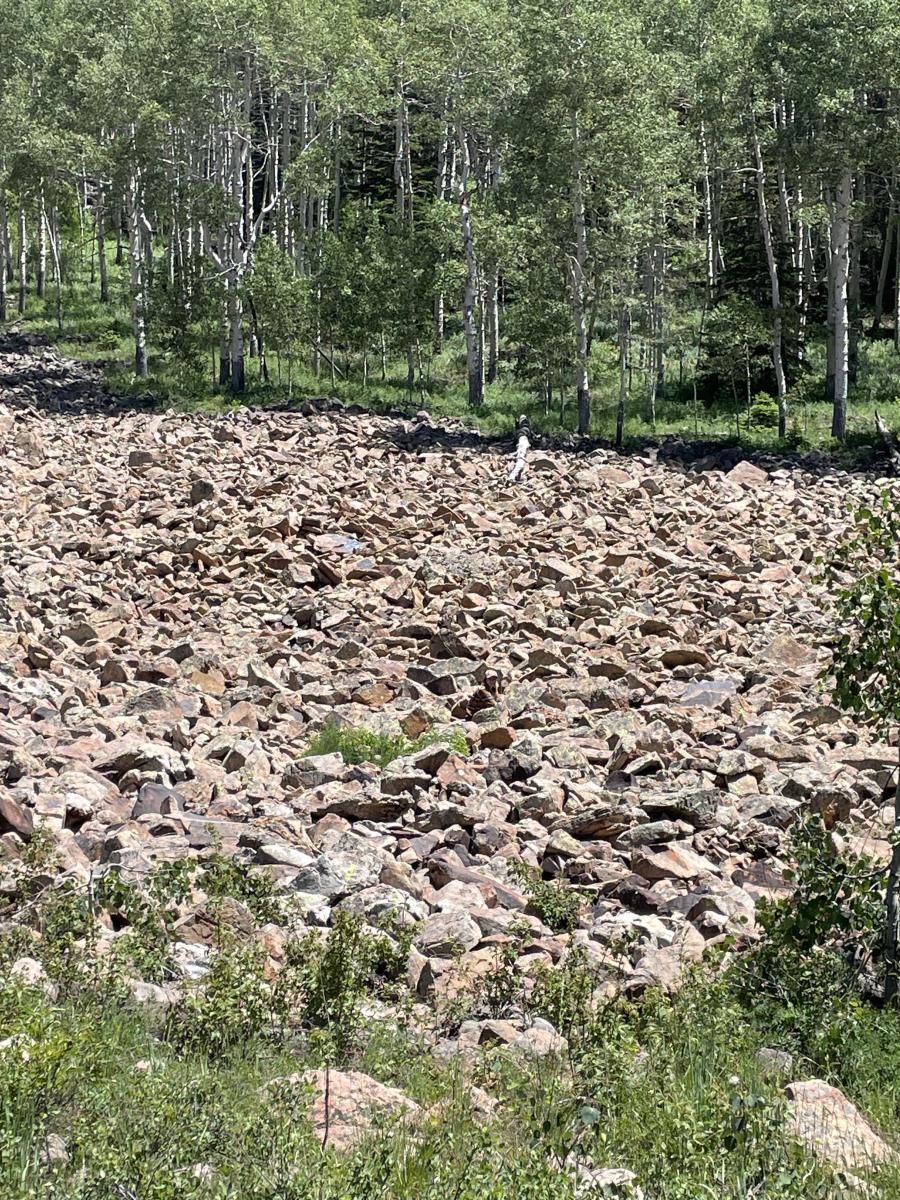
point(517, 470)
point(890, 442)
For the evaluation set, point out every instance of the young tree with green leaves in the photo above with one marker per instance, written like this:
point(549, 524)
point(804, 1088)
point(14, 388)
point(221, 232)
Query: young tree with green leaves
point(864, 578)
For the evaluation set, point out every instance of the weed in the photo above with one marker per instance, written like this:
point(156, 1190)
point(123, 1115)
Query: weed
point(223, 876)
point(358, 745)
point(555, 903)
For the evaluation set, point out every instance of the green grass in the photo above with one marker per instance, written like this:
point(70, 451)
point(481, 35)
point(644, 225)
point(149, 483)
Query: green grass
point(670, 1089)
point(102, 333)
point(358, 745)
point(181, 1107)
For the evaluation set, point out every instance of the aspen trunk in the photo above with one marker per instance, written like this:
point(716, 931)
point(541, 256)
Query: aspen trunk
point(712, 252)
point(887, 254)
point(829, 318)
point(853, 289)
point(40, 282)
point(805, 277)
point(237, 379)
point(582, 345)
point(474, 360)
point(402, 156)
point(4, 257)
point(136, 267)
point(53, 233)
point(774, 287)
point(840, 304)
point(444, 192)
point(238, 238)
point(659, 365)
point(439, 322)
point(623, 374)
point(224, 357)
point(23, 260)
point(493, 325)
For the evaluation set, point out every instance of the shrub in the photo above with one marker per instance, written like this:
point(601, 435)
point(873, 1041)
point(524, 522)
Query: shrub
point(223, 876)
point(764, 411)
point(817, 941)
point(232, 1006)
point(324, 979)
point(501, 989)
point(357, 745)
point(564, 995)
point(556, 904)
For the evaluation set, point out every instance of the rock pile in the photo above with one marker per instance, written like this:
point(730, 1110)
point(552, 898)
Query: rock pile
point(629, 648)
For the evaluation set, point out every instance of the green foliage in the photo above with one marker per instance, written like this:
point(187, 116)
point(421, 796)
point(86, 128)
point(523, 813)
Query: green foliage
point(232, 1006)
point(280, 299)
point(816, 941)
point(500, 989)
point(223, 876)
point(557, 904)
point(764, 411)
point(358, 745)
point(669, 1088)
point(149, 913)
point(835, 899)
point(186, 317)
point(863, 575)
point(565, 995)
point(325, 978)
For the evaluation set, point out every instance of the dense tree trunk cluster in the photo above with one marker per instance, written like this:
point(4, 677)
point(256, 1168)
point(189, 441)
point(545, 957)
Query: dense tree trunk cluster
point(590, 195)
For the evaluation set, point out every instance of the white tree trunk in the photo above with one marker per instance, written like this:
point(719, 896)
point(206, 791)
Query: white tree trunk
point(712, 252)
point(136, 267)
point(4, 257)
point(577, 272)
point(624, 323)
point(23, 259)
point(40, 282)
point(493, 324)
point(474, 360)
point(774, 287)
point(102, 264)
point(840, 243)
point(53, 234)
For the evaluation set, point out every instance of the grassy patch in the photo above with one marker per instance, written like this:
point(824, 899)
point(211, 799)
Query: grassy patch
point(670, 1089)
point(101, 1098)
point(358, 745)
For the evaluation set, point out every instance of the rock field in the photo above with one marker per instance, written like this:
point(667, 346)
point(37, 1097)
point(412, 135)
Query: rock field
point(629, 645)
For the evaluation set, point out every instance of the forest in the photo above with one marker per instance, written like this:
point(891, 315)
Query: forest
point(632, 212)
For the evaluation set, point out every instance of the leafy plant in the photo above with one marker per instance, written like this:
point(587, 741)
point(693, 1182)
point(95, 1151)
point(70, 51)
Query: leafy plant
point(564, 995)
point(556, 904)
point(224, 876)
point(863, 576)
point(232, 1006)
point(358, 745)
point(501, 988)
point(324, 979)
point(817, 940)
